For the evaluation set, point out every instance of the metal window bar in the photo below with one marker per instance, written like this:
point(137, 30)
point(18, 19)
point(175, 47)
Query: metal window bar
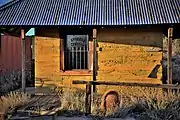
point(84, 57)
point(72, 64)
point(80, 57)
point(68, 60)
point(77, 57)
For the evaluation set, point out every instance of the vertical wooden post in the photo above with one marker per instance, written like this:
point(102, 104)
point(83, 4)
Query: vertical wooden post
point(88, 99)
point(23, 82)
point(0, 41)
point(94, 57)
point(169, 57)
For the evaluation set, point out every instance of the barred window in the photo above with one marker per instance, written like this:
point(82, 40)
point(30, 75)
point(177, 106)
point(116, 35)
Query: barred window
point(76, 52)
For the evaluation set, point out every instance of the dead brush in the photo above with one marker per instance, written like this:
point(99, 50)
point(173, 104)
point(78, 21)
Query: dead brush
point(96, 105)
point(158, 99)
point(140, 103)
point(121, 112)
point(12, 80)
point(149, 104)
point(72, 101)
point(11, 101)
point(157, 105)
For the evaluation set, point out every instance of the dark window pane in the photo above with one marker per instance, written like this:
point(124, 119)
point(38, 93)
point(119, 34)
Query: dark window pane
point(76, 56)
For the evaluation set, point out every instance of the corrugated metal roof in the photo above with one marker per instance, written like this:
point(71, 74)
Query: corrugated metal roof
point(90, 12)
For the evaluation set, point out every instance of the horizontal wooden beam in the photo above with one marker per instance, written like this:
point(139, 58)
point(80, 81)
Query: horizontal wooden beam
point(169, 86)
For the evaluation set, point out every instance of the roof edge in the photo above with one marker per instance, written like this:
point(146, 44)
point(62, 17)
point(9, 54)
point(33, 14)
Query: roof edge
point(9, 4)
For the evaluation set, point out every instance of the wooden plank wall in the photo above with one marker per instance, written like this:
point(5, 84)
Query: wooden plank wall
point(128, 55)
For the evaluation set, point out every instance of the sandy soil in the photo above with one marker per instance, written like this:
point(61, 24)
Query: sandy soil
point(84, 118)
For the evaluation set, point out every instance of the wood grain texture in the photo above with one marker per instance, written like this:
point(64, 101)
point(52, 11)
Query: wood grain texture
point(169, 57)
point(124, 57)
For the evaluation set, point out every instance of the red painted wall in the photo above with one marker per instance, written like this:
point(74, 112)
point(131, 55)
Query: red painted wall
point(10, 53)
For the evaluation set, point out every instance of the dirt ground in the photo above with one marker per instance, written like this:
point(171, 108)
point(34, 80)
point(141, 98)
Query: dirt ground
point(84, 118)
point(81, 118)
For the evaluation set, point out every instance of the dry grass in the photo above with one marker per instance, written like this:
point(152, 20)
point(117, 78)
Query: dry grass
point(137, 102)
point(150, 104)
point(11, 101)
point(72, 101)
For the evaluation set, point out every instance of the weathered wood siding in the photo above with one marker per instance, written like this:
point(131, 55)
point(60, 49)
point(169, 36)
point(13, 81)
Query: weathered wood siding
point(125, 56)
point(47, 60)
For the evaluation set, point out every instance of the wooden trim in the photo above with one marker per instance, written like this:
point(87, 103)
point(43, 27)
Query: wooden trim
point(169, 86)
point(90, 56)
point(62, 54)
point(76, 73)
point(22, 34)
point(94, 54)
point(94, 57)
point(79, 71)
point(94, 33)
point(169, 57)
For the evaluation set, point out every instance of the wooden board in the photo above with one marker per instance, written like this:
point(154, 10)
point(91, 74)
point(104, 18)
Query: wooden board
point(41, 105)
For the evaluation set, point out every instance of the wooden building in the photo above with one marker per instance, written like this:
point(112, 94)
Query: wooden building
point(102, 40)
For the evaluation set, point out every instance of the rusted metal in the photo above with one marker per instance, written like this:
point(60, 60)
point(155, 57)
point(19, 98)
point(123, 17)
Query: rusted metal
point(10, 53)
point(88, 12)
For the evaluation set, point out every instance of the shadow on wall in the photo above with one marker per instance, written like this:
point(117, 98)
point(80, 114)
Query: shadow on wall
point(141, 36)
point(154, 72)
point(130, 47)
point(134, 36)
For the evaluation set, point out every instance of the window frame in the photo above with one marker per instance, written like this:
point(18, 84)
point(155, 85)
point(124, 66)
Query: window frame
point(79, 72)
point(65, 47)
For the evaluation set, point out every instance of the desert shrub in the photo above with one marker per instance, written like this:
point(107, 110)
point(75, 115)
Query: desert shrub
point(11, 101)
point(148, 104)
point(142, 103)
point(175, 45)
point(175, 60)
point(12, 80)
point(175, 68)
point(172, 112)
point(120, 113)
point(72, 101)
point(96, 105)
